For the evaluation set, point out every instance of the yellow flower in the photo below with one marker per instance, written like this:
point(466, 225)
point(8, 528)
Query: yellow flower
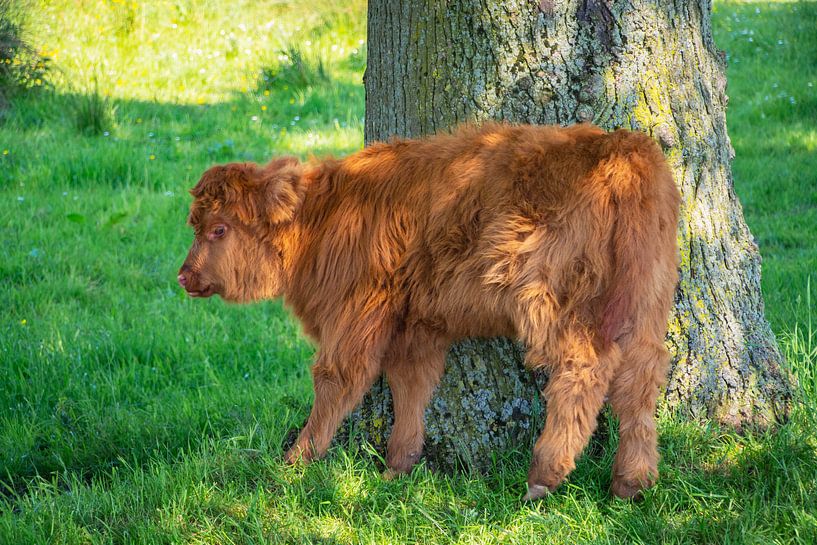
point(266, 93)
point(152, 157)
point(264, 108)
point(23, 321)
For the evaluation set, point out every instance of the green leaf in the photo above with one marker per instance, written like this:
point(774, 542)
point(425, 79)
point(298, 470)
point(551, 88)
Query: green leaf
point(116, 218)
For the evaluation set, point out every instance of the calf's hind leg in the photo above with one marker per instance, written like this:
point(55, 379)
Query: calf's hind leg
point(574, 396)
point(413, 368)
point(633, 395)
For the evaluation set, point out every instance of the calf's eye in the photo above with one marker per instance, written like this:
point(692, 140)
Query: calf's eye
point(218, 232)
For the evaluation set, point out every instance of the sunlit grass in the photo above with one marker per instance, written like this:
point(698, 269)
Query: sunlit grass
point(130, 414)
point(770, 48)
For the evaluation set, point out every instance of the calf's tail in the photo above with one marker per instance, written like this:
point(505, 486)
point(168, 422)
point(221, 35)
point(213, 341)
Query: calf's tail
point(645, 204)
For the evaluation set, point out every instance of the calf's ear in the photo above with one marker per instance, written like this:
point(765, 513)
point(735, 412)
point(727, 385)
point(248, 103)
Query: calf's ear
point(283, 189)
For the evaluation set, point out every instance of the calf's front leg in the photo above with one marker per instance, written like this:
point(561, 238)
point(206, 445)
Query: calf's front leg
point(338, 389)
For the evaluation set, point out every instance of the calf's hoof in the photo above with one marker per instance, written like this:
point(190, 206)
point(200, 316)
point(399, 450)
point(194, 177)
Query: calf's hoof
point(391, 474)
point(400, 464)
point(536, 491)
point(298, 455)
point(628, 489)
point(544, 478)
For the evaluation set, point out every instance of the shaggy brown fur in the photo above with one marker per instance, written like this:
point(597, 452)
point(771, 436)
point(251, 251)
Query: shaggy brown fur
point(562, 237)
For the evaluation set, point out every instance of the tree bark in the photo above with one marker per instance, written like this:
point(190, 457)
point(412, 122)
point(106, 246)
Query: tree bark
point(643, 65)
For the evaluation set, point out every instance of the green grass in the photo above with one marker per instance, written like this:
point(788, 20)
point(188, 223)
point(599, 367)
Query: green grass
point(131, 414)
point(772, 120)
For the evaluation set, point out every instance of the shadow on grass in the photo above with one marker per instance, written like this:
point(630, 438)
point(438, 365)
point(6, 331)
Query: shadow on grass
point(716, 487)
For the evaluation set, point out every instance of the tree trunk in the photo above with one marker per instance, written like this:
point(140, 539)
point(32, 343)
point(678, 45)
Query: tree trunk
point(644, 65)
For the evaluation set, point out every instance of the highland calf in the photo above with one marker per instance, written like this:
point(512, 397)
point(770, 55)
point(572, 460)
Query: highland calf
point(562, 237)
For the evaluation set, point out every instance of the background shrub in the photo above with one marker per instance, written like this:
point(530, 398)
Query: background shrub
point(21, 66)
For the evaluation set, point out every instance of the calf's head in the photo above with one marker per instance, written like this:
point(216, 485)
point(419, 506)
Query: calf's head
point(239, 214)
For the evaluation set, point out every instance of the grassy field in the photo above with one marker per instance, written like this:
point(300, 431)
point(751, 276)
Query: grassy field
point(131, 414)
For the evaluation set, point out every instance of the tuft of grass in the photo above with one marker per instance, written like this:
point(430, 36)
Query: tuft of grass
point(295, 69)
point(124, 14)
point(800, 349)
point(93, 113)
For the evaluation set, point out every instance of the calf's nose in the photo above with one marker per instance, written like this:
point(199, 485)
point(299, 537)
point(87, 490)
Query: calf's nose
point(182, 280)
